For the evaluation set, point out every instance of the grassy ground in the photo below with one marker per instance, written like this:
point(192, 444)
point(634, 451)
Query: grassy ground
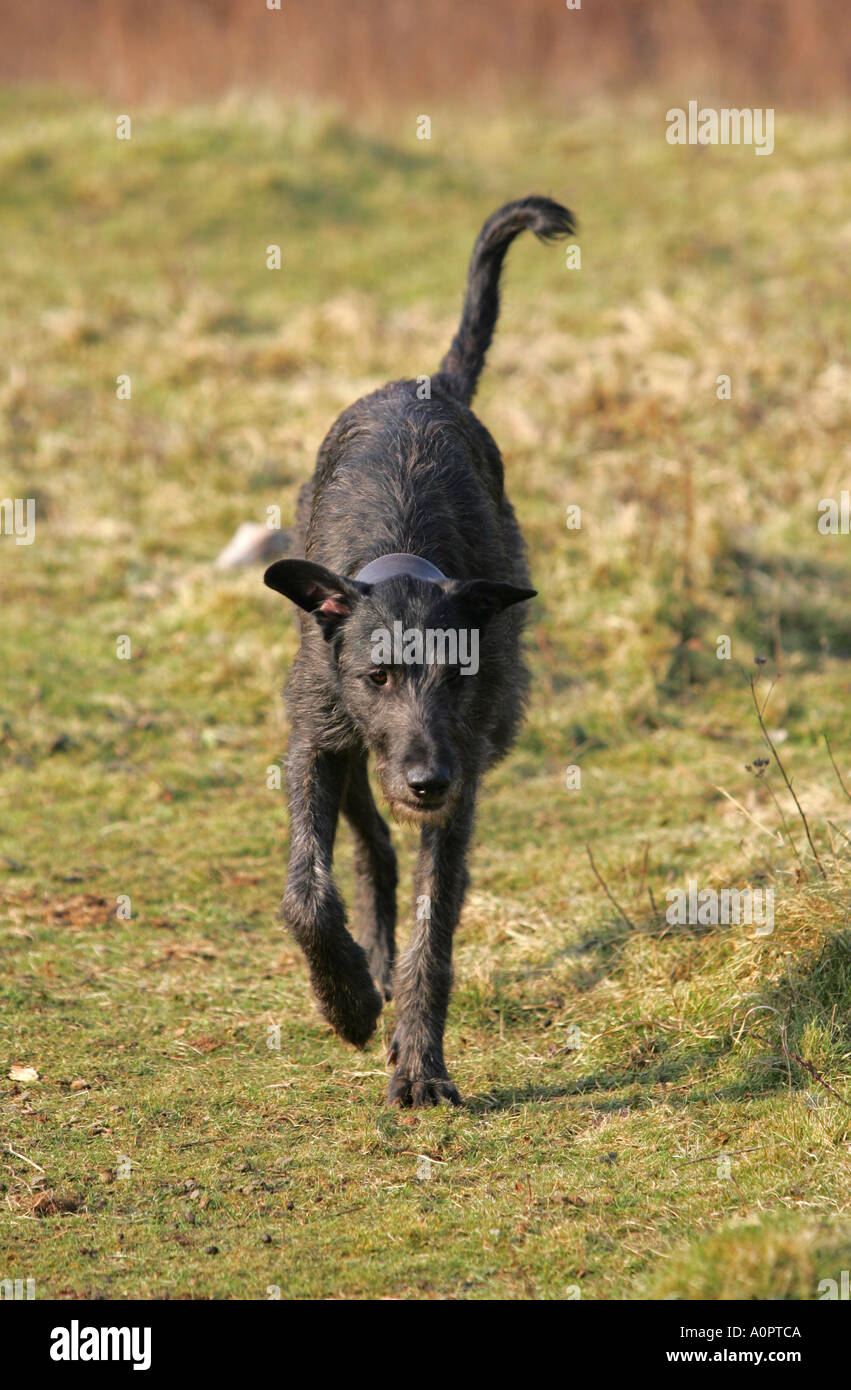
point(166, 1148)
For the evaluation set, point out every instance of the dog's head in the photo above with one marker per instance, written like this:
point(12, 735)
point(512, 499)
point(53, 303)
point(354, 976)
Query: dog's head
point(406, 654)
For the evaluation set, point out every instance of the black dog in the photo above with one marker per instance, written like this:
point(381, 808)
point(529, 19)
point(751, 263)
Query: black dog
point(413, 554)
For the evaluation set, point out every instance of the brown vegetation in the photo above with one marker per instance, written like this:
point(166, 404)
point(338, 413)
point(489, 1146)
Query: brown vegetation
point(388, 51)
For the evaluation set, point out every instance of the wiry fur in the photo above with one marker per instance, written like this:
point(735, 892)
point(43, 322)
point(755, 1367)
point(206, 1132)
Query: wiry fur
point(423, 477)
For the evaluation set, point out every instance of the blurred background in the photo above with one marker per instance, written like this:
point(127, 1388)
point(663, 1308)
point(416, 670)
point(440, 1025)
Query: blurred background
point(380, 51)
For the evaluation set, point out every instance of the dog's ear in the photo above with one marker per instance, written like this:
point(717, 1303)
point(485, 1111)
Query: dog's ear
point(328, 596)
point(486, 597)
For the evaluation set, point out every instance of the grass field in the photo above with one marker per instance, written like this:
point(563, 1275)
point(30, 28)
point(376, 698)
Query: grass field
point(169, 1147)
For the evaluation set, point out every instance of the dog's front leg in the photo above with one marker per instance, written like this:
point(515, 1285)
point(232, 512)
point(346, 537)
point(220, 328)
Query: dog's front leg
point(424, 974)
point(375, 876)
point(312, 907)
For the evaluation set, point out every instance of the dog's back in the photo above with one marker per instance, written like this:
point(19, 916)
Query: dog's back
point(397, 473)
point(400, 473)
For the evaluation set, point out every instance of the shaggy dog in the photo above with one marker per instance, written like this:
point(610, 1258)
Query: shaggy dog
point(412, 592)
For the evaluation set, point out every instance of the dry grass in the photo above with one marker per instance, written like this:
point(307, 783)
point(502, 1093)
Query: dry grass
point(595, 1165)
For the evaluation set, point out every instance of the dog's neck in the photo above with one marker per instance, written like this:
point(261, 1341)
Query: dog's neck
point(393, 566)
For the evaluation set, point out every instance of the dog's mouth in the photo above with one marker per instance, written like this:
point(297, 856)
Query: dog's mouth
point(408, 808)
point(419, 812)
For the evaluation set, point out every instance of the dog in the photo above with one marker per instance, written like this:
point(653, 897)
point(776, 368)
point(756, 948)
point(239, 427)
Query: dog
point(411, 550)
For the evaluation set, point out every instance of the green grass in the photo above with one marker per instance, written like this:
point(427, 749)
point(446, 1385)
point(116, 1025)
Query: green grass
point(594, 1168)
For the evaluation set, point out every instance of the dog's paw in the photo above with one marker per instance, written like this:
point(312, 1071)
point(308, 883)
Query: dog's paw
point(381, 970)
point(353, 1016)
point(420, 1079)
point(349, 1000)
point(384, 983)
point(418, 1093)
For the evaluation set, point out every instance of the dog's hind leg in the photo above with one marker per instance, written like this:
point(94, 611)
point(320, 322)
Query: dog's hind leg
point(312, 907)
point(424, 974)
point(375, 875)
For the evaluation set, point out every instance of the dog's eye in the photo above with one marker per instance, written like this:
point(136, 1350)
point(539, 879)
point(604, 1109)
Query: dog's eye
point(379, 676)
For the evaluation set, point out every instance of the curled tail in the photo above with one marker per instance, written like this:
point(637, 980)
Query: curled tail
point(466, 357)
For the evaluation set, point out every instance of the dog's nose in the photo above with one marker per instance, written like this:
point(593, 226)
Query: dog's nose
point(428, 781)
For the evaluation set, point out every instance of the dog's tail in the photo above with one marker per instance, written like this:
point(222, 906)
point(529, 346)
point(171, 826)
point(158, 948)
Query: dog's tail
point(466, 357)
